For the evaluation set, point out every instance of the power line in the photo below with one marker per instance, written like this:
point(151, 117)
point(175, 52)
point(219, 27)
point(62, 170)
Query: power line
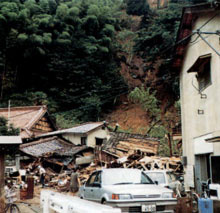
point(208, 21)
point(92, 93)
point(103, 102)
point(193, 33)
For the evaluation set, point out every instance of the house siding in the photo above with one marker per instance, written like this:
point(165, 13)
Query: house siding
point(99, 133)
point(75, 139)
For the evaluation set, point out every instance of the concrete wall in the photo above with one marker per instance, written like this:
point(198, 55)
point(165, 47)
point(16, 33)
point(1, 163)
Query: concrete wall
point(193, 124)
point(91, 137)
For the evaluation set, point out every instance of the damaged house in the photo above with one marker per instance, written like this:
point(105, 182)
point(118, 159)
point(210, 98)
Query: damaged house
point(62, 149)
point(89, 134)
point(126, 150)
point(55, 154)
point(123, 144)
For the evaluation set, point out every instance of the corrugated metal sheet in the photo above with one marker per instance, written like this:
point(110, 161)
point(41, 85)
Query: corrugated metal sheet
point(80, 129)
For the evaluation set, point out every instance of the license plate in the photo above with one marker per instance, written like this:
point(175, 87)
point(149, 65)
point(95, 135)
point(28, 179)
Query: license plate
point(148, 208)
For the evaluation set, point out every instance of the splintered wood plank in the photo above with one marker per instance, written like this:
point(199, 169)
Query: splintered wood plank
point(137, 145)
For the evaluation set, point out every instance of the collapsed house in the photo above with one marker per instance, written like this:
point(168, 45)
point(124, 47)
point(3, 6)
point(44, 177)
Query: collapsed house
point(90, 134)
point(125, 150)
point(56, 154)
point(88, 146)
point(123, 144)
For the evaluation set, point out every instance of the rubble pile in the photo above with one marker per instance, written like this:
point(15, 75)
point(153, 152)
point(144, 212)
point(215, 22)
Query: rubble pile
point(147, 163)
point(60, 180)
point(59, 159)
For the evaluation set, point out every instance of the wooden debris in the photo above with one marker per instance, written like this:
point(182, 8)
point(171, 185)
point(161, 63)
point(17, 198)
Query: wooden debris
point(60, 178)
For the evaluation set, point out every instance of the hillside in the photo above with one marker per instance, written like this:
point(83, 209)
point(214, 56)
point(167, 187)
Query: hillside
point(85, 59)
point(134, 69)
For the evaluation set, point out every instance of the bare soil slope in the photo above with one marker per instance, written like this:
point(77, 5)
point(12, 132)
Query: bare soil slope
point(130, 117)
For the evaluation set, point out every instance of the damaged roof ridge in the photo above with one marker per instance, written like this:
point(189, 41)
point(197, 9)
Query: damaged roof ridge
point(125, 135)
point(36, 118)
point(100, 122)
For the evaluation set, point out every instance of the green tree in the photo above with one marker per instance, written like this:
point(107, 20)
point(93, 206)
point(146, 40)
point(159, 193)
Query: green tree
point(155, 42)
point(148, 102)
point(63, 53)
point(137, 7)
point(6, 129)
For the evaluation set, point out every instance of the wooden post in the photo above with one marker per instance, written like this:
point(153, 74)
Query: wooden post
point(2, 181)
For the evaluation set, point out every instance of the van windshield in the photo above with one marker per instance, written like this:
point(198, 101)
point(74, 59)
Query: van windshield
point(125, 176)
point(157, 176)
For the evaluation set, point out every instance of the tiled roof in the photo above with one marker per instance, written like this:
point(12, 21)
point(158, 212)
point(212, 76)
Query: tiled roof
point(23, 117)
point(49, 146)
point(80, 129)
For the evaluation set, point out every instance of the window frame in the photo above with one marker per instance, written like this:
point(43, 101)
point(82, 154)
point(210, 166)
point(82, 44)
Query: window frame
point(204, 77)
point(83, 141)
point(98, 140)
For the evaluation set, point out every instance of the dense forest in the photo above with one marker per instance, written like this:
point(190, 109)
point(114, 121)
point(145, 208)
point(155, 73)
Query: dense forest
point(67, 53)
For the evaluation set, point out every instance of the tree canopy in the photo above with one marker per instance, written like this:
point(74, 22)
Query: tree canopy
point(60, 52)
point(65, 53)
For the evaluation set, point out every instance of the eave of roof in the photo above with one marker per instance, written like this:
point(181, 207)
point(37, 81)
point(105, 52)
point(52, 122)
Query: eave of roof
point(76, 129)
point(22, 108)
point(10, 140)
point(201, 60)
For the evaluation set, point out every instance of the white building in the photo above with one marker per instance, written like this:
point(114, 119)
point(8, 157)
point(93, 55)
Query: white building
point(198, 60)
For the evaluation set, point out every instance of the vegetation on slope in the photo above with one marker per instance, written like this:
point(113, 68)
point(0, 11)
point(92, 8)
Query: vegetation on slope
point(67, 54)
point(60, 53)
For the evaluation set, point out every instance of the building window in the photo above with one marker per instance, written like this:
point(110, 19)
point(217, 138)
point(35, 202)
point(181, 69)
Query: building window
point(202, 67)
point(99, 141)
point(83, 140)
point(204, 76)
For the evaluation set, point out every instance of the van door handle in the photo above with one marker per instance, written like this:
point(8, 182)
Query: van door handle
point(91, 190)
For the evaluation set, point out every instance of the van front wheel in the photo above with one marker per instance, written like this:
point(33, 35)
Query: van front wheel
point(103, 201)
